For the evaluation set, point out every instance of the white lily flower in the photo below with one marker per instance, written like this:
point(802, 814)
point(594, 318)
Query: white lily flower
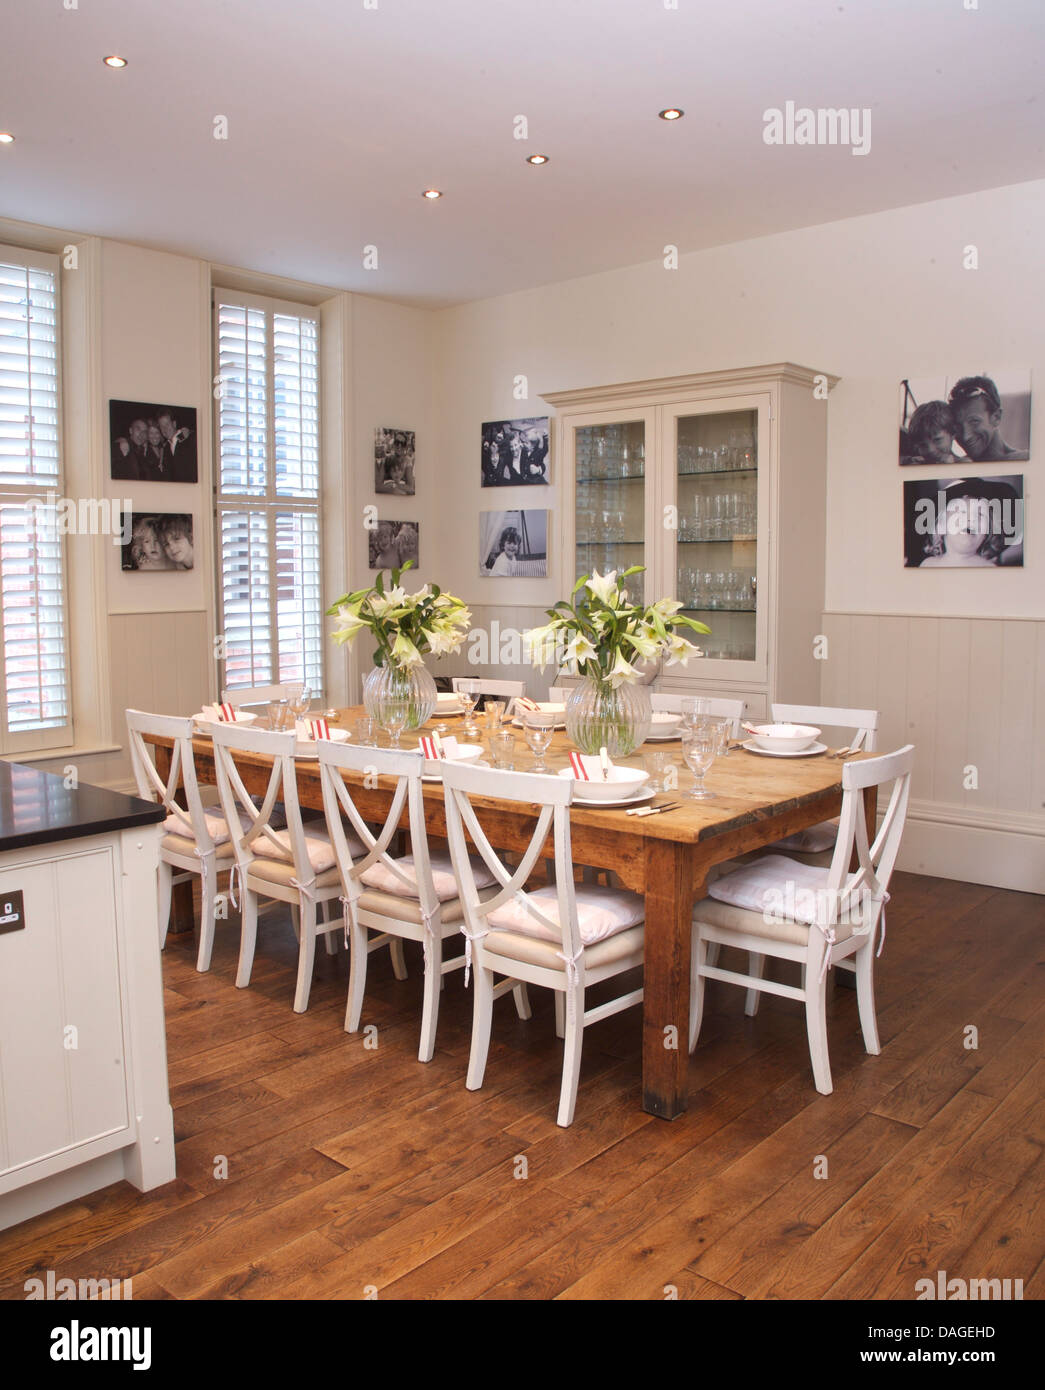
point(580, 649)
point(622, 672)
point(680, 651)
point(404, 653)
point(603, 586)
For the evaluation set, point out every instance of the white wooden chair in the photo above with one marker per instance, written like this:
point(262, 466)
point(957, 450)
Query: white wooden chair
point(197, 840)
point(560, 936)
point(720, 709)
point(498, 690)
point(856, 727)
point(261, 694)
point(412, 898)
point(289, 865)
point(819, 917)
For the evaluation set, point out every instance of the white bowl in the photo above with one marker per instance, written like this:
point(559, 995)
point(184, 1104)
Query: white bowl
point(242, 717)
point(463, 753)
point(664, 722)
point(622, 781)
point(555, 712)
point(783, 738)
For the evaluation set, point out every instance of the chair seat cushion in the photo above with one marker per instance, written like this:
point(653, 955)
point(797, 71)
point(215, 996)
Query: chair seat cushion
point(813, 840)
point(217, 825)
point(277, 871)
point(381, 877)
point(621, 946)
point(773, 884)
point(181, 844)
point(403, 909)
point(601, 913)
point(317, 845)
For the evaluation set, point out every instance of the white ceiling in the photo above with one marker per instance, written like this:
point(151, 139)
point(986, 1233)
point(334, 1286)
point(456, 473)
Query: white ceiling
point(340, 115)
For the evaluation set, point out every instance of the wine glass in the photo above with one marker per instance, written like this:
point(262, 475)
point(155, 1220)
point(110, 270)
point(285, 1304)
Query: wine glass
point(393, 719)
point(468, 694)
point(695, 708)
point(300, 700)
point(699, 745)
point(538, 731)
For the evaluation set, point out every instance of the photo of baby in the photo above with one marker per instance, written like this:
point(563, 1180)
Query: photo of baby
point(392, 543)
point(158, 541)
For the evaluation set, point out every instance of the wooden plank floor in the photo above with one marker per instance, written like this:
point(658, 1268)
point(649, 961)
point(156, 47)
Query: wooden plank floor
point(353, 1168)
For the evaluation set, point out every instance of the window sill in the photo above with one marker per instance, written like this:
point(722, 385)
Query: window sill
point(50, 755)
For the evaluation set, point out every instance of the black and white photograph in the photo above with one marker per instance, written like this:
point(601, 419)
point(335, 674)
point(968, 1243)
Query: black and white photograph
point(963, 523)
point(975, 417)
point(515, 452)
point(394, 461)
point(157, 541)
point(513, 545)
point(152, 443)
point(392, 543)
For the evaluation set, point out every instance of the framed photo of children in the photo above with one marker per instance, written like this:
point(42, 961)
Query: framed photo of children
point(392, 543)
point(394, 461)
point(152, 443)
point(978, 418)
point(513, 545)
point(963, 523)
point(157, 541)
point(515, 452)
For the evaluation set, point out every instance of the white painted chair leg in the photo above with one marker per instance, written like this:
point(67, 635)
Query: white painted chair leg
point(482, 1019)
point(713, 949)
point(356, 977)
point(560, 1014)
point(248, 937)
point(816, 1028)
point(699, 955)
point(865, 997)
point(571, 1060)
point(164, 889)
point(208, 907)
point(430, 1009)
point(295, 921)
point(306, 955)
point(395, 948)
point(752, 998)
point(522, 1000)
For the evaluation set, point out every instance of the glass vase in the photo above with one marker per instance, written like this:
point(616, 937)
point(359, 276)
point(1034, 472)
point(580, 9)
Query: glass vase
point(601, 716)
point(389, 684)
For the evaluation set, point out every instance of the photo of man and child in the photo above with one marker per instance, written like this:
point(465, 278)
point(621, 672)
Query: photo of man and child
point(979, 418)
point(158, 541)
point(513, 544)
point(394, 461)
point(392, 543)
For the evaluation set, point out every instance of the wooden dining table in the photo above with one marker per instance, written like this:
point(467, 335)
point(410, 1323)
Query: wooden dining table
point(667, 858)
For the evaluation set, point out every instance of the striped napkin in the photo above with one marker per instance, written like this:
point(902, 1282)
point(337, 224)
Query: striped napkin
point(221, 714)
point(431, 748)
point(524, 702)
point(580, 772)
point(318, 728)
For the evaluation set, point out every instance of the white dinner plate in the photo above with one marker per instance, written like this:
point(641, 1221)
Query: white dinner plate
point(673, 736)
point(810, 752)
point(643, 794)
point(306, 748)
point(441, 710)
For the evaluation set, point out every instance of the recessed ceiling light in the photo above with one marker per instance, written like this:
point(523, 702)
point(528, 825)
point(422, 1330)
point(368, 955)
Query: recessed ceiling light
point(431, 194)
point(671, 113)
point(114, 61)
point(537, 159)
point(6, 138)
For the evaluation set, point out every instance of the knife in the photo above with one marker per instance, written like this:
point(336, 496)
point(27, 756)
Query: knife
point(653, 810)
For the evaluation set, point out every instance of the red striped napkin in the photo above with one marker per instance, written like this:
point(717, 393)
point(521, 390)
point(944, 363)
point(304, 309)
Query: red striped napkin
point(526, 702)
point(318, 728)
point(430, 748)
point(226, 714)
point(577, 763)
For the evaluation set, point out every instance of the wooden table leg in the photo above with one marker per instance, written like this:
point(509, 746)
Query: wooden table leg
point(665, 1011)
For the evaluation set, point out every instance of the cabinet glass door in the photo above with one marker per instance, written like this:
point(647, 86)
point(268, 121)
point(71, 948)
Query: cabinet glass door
point(717, 559)
point(609, 499)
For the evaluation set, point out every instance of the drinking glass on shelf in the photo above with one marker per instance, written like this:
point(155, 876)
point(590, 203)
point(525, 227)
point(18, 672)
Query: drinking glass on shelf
point(538, 729)
point(365, 731)
point(468, 694)
point(698, 750)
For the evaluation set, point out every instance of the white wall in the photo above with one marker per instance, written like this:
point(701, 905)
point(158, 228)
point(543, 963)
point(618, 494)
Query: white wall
point(872, 300)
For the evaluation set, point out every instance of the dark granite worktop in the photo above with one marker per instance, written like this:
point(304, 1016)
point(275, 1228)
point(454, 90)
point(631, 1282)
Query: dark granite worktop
point(37, 808)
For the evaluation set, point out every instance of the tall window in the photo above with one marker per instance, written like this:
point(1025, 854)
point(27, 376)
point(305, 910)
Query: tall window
point(269, 577)
point(34, 679)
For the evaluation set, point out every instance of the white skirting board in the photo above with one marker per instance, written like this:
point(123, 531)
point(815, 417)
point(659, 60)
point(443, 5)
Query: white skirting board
point(1005, 851)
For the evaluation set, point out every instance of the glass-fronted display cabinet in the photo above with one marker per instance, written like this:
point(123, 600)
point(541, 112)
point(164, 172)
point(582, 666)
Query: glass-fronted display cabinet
point(715, 483)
